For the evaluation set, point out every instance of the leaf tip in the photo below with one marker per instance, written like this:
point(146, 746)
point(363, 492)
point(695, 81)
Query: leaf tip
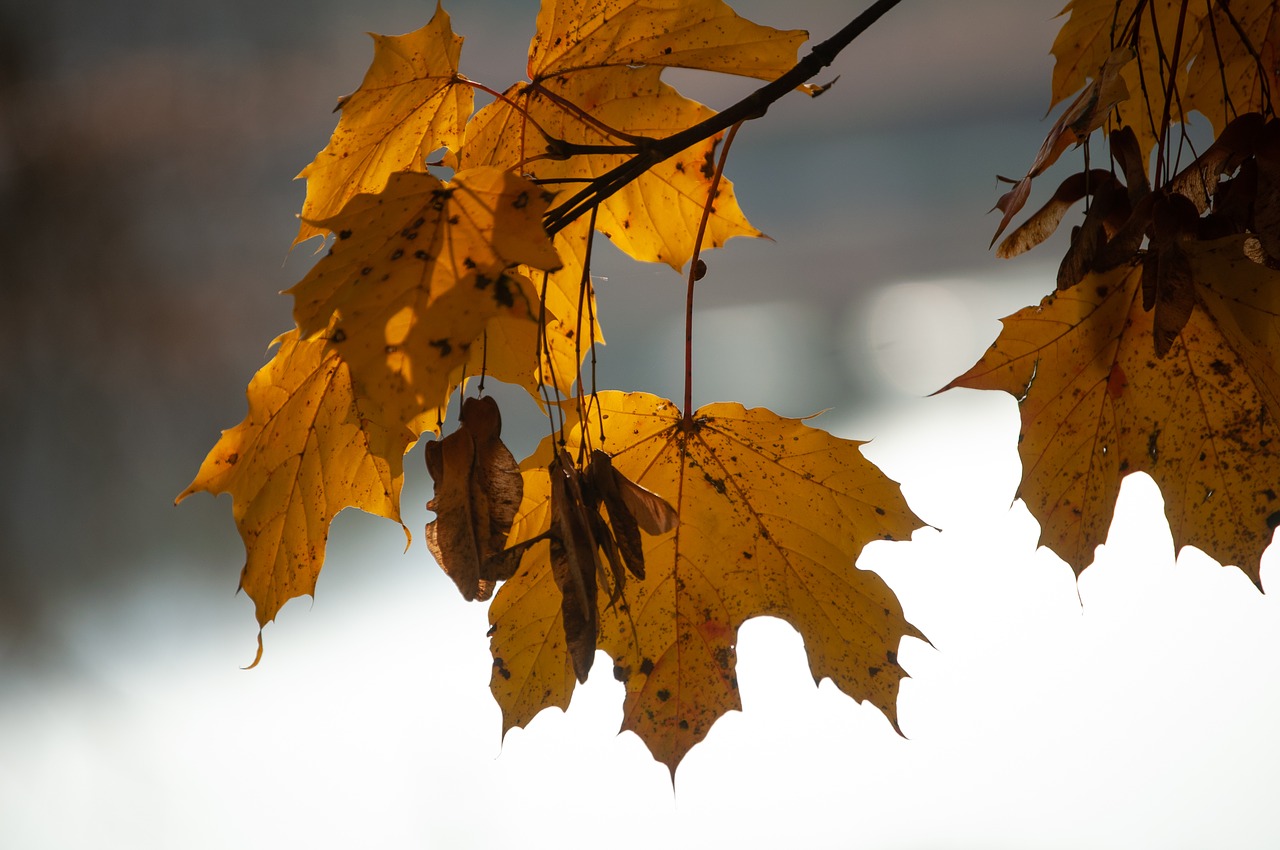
point(258, 655)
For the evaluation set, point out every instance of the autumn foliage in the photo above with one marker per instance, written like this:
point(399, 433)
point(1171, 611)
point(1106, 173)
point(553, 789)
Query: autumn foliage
point(457, 250)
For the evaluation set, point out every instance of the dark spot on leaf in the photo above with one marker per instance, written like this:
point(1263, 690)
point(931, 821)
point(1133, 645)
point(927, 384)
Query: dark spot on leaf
point(664, 695)
point(684, 724)
point(1102, 291)
point(391, 349)
point(646, 666)
point(1270, 494)
point(891, 656)
point(621, 673)
point(233, 458)
point(483, 281)
point(397, 254)
point(366, 270)
point(453, 219)
point(747, 556)
point(1153, 445)
point(421, 255)
point(873, 671)
point(1220, 368)
point(344, 234)
point(468, 263)
point(716, 483)
point(521, 201)
point(446, 348)
point(1124, 466)
point(1273, 520)
point(666, 51)
point(502, 292)
point(504, 672)
point(492, 630)
point(880, 511)
point(339, 335)
point(438, 197)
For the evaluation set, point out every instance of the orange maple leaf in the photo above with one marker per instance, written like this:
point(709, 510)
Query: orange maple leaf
point(1097, 403)
point(415, 276)
point(307, 449)
point(412, 102)
point(573, 35)
point(772, 516)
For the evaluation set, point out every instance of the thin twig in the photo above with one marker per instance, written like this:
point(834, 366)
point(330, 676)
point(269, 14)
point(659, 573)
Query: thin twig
point(754, 105)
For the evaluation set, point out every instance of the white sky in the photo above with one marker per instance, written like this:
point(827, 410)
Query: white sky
point(1144, 717)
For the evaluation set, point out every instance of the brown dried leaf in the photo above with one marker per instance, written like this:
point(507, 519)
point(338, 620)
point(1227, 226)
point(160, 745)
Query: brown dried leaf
point(477, 492)
point(1044, 221)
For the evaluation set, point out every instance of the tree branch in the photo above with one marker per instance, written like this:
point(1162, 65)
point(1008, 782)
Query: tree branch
point(754, 105)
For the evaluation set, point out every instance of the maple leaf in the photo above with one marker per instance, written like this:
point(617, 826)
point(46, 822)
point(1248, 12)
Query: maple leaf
point(1096, 28)
point(412, 102)
point(477, 492)
point(705, 34)
point(1215, 58)
point(772, 515)
point(415, 276)
point(1236, 68)
point(653, 219)
point(1085, 114)
point(1097, 403)
point(307, 449)
point(533, 355)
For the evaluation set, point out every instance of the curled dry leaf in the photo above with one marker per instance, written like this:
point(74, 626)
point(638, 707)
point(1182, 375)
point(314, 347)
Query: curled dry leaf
point(1085, 114)
point(579, 533)
point(477, 491)
point(1044, 221)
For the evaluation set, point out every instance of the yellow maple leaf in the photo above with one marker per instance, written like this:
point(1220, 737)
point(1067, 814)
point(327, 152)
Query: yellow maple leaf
point(416, 274)
point(1224, 65)
point(655, 218)
point(1096, 27)
point(772, 516)
point(514, 351)
point(706, 34)
point(1236, 68)
point(412, 102)
point(307, 449)
point(1097, 404)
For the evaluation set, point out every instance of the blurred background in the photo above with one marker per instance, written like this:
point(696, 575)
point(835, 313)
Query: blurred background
point(146, 213)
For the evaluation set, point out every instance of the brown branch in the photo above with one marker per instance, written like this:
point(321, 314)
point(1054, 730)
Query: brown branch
point(754, 105)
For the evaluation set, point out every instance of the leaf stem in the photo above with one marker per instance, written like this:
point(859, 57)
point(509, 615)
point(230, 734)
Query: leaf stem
point(696, 270)
point(754, 105)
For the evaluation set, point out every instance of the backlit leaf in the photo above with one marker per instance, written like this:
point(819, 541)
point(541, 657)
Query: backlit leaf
point(307, 449)
point(655, 218)
point(706, 34)
point(415, 276)
point(772, 516)
point(1095, 28)
point(411, 103)
point(1098, 403)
